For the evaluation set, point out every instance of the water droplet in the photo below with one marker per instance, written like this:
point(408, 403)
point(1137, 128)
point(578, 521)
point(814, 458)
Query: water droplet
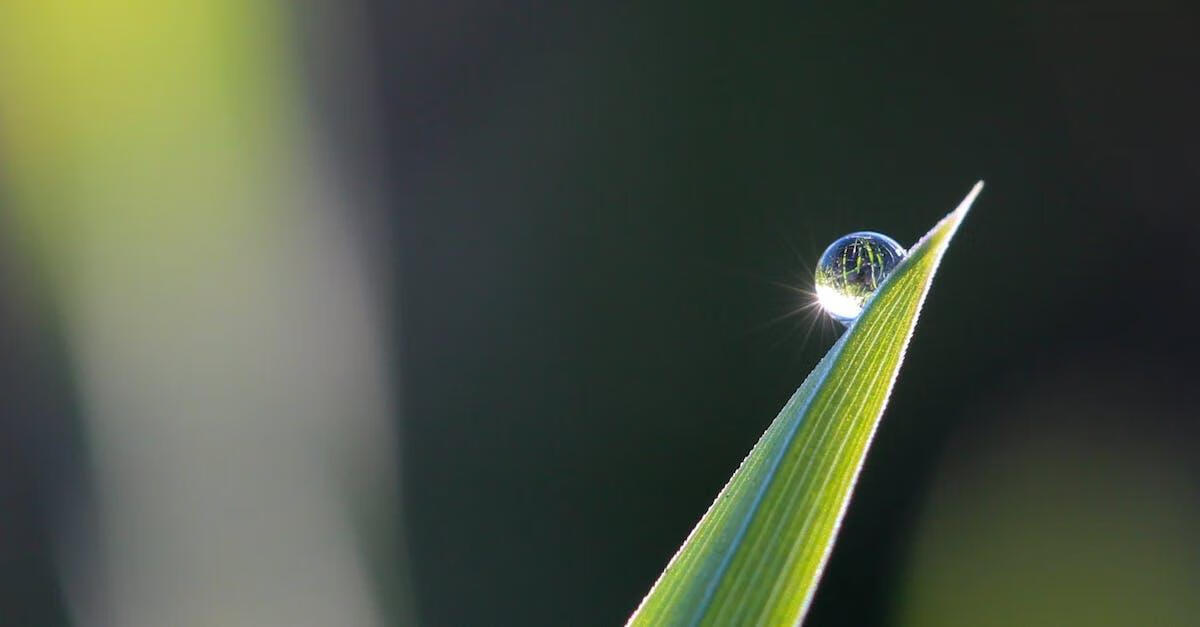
point(851, 269)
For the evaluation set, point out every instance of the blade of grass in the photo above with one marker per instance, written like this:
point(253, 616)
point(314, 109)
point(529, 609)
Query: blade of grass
point(757, 554)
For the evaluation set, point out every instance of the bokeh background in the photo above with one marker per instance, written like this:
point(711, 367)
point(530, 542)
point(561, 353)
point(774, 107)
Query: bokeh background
point(460, 313)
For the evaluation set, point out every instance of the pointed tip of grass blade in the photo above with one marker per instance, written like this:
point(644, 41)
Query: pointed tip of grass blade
point(718, 572)
point(946, 227)
point(963, 207)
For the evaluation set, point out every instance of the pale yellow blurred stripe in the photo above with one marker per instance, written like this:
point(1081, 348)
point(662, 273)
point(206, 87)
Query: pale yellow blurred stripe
point(218, 309)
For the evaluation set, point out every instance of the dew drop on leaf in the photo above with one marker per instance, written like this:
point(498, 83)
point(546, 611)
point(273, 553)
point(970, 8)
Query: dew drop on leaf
point(851, 269)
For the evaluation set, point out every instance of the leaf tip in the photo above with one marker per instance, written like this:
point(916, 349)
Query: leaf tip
point(965, 205)
point(947, 226)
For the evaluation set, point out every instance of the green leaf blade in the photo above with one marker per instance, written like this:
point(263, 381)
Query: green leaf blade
point(757, 554)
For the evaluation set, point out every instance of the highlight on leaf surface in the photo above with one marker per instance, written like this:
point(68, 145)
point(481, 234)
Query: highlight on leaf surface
point(757, 554)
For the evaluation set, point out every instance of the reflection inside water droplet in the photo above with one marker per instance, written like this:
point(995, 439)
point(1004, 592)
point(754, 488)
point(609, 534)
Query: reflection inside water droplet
point(851, 269)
